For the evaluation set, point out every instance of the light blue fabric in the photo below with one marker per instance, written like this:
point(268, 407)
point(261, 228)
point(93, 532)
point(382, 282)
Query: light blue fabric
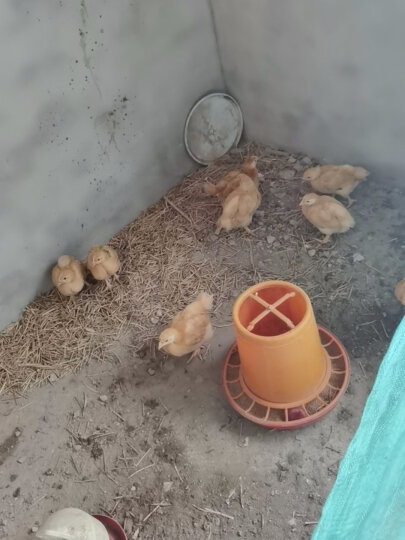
point(367, 501)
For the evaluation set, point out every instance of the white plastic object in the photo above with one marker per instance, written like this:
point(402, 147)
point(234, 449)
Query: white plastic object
point(72, 524)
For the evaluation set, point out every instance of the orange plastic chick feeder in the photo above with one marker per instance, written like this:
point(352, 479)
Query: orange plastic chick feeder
point(284, 371)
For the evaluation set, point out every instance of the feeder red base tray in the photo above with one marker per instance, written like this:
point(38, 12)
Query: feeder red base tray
point(114, 529)
point(289, 415)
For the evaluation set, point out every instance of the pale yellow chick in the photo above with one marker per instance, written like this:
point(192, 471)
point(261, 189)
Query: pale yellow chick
point(103, 262)
point(335, 179)
point(190, 329)
point(327, 214)
point(239, 206)
point(233, 179)
point(400, 292)
point(68, 275)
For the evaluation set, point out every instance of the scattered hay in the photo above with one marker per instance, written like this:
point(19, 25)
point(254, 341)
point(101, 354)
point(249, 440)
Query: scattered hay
point(160, 274)
point(168, 255)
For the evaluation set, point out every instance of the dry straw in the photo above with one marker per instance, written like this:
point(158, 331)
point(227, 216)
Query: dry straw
point(168, 255)
point(160, 274)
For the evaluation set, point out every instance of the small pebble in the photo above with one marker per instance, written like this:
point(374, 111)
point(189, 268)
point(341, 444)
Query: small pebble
point(154, 320)
point(52, 377)
point(311, 252)
point(34, 529)
point(17, 432)
point(159, 313)
point(151, 371)
point(77, 447)
point(21, 459)
point(103, 398)
point(270, 239)
point(306, 160)
point(292, 522)
point(244, 442)
point(287, 174)
point(167, 486)
point(358, 257)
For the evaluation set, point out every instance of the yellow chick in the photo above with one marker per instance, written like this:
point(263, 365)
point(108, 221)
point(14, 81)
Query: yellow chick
point(335, 179)
point(239, 206)
point(232, 180)
point(103, 262)
point(190, 329)
point(327, 214)
point(68, 275)
point(400, 292)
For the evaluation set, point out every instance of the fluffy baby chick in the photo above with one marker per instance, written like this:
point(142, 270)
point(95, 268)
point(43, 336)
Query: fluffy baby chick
point(68, 275)
point(239, 206)
point(336, 179)
point(400, 292)
point(189, 329)
point(103, 262)
point(327, 214)
point(233, 179)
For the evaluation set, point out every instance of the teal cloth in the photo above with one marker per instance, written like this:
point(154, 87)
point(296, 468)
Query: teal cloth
point(367, 501)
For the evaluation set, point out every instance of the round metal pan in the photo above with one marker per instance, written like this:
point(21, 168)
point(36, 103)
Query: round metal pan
point(213, 126)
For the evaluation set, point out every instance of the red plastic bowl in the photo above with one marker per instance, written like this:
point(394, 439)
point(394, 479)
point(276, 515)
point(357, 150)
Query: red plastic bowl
point(114, 529)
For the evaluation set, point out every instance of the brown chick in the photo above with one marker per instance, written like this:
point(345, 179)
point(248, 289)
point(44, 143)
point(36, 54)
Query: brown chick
point(335, 179)
point(189, 330)
point(232, 180)
point(400, 292)
point(103, 262)
point(327, 214)
point(68, 275)
point(239, 206)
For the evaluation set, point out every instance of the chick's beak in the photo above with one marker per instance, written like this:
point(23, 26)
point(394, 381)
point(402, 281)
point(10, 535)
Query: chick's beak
point(160, 345)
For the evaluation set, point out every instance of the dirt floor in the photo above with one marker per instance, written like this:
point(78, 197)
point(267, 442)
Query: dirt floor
point(153, 442)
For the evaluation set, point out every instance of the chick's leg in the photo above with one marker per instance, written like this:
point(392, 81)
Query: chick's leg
point(193, 354)
point(324, 240)
point(350, 201)
point(248, 230)
point(108, 283)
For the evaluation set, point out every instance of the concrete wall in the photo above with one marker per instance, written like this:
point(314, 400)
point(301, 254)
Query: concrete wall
point(94, 95)
point(320, 76)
